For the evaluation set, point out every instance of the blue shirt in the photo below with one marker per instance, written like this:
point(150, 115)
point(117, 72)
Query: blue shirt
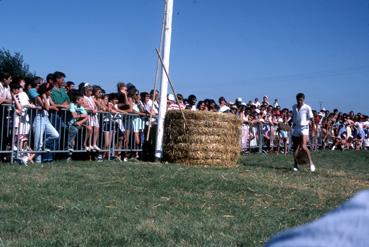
point(346, 226)
point(78, 109)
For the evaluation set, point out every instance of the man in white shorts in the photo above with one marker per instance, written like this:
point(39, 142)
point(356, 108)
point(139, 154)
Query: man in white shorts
point(302, 116)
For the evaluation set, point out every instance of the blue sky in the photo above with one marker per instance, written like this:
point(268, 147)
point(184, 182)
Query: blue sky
point(225, 48)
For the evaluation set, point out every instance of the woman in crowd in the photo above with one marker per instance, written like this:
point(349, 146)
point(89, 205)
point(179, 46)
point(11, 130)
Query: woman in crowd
point(138, 124)
point(41, 124)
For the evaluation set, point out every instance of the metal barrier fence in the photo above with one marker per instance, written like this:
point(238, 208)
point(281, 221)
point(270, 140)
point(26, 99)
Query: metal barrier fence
point(45, 135)
point(264, 137)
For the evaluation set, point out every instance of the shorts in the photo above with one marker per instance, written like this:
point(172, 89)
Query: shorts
point(93, 121)
point(106, 126)
point(300, 131)
point(138, 124)
point(283, 134)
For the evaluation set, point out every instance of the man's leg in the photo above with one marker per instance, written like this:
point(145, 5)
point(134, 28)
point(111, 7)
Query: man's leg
point(307, 151)
point(296, 141)
point(72, 133)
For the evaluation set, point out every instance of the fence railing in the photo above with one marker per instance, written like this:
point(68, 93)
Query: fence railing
point(263, 137)
point(35, 134)
point(45, 135)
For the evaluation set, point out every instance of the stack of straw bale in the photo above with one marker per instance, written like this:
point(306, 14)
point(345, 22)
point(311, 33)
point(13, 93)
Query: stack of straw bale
point(211, 139)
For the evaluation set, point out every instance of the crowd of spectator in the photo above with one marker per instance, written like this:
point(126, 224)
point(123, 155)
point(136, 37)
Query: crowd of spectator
point(94, 112)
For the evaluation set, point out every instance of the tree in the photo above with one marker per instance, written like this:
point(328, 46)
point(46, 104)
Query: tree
point(14, 64)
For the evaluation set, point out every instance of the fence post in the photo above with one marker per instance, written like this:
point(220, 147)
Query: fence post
point(13, 135)
point(260, 129)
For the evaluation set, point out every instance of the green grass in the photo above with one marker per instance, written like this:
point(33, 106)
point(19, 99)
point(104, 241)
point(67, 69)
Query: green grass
point(141, 204)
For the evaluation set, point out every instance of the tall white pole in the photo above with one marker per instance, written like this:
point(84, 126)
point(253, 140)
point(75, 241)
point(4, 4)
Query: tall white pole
point(164, 79)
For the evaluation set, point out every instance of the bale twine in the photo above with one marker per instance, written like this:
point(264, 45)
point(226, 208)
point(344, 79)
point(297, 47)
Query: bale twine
point(211, 139)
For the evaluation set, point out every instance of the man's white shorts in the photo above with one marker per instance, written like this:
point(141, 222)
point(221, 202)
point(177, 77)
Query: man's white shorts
point(298, 131)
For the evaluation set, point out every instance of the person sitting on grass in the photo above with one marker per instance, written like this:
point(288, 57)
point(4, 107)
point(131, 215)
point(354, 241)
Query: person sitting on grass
point(78, 116)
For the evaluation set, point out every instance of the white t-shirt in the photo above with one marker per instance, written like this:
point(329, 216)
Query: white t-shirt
point(301, 118)
point(152, 105)
point(5, 92)
point(224, 108)
point(23, 99)
point(257, 104)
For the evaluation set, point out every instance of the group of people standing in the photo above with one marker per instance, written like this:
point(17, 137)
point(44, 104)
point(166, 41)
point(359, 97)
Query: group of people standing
point(55, 113)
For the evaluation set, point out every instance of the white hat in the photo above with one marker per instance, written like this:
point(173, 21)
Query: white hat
point(323, 109)
point(244, 104)
point(239, 99)
point(171, 97)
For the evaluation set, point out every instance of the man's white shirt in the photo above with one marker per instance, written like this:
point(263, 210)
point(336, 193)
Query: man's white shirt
point(302, 117)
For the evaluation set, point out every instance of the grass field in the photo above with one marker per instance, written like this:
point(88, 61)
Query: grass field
point(141, 204)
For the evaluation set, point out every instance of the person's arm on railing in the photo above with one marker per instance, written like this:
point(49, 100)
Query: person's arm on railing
point(43, 102)
point(18, 106)
point(5, 100)
point(53, 106)
point(80, 118)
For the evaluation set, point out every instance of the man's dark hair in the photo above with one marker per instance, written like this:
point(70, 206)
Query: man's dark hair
point(50, 77)
point(4, 75)
point(75, 96)
point(37, 80)
point(113, 96)
point(191, 97)
point(179, 96)
point(70, 83)
point(15, 85)
point(300, 96)
point(58, 75)
point(44, 88)
point(152, 91)
point(143, 95)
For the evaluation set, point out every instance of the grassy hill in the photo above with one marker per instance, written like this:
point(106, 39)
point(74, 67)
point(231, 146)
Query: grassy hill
point(144, 204)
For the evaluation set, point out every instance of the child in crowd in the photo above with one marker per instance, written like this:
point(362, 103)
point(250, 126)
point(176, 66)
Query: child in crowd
point(93, 125)
point(107, 122)
point(283, 130)
point(22, 120)
point(78, 117)
point(138, 123)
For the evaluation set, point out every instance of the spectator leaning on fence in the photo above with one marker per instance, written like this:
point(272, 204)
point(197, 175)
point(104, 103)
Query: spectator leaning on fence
point(78, 117)
point(93, 125)
point(5, 95)
point(22, 120)
point(41, 124)
point(59, 94)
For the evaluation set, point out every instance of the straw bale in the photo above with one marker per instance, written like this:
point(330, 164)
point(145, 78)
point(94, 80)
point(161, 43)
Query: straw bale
point(210, 139)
